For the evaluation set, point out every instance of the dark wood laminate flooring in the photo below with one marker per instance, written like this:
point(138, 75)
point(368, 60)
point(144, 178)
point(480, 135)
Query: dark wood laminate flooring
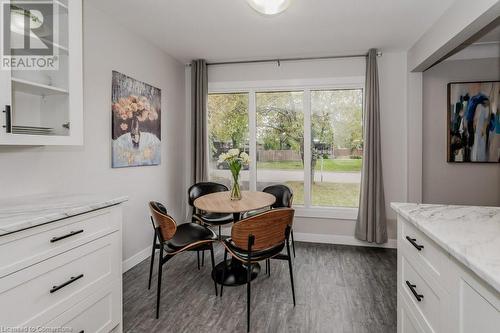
point(338, 289)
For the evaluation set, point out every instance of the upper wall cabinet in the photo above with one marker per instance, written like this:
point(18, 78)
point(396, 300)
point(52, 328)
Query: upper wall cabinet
point(41, 82)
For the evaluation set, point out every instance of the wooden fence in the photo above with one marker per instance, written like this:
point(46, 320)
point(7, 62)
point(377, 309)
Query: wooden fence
point(293, 155)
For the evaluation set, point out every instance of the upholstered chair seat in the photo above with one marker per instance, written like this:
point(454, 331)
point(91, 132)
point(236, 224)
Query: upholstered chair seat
point(188, 234)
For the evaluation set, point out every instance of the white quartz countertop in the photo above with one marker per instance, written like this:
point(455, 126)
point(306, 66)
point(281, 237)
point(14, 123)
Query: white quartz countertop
point(19, 213)
point(471, 234)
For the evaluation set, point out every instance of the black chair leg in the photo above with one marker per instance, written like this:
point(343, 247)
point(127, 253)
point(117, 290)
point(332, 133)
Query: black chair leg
point(213, 264)
point(223, 272)
point(291, 271)
point(293, 243)
point(249, 278)
point(202, 258)
point(152, 261)
point(158, 291)
point(269, 267)
point(220, 235)
point(198, 258)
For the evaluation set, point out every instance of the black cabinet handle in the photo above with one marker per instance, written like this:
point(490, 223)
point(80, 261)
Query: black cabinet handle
point(8, 119)
point(413, 242)
point(70, 281)
point(414, 291)
point(55, 239)
point(82, 331)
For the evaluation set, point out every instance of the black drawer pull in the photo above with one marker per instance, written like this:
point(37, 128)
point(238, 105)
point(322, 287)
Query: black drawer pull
point(55, 239)
point(8, 119)
point(70, 281)
point(413, 242)
point(82, 331)
point(414, 291)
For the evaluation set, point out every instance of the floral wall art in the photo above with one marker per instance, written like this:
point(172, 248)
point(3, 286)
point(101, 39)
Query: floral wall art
point(136, 122)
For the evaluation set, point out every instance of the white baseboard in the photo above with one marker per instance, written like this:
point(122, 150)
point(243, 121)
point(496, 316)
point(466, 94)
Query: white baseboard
point(136, 259)
point(331, 239)
point(298, 236)
point(339, 239)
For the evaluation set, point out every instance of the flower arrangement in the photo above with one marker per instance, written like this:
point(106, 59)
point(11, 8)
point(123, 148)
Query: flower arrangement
point(134, 107)
point(235, 160)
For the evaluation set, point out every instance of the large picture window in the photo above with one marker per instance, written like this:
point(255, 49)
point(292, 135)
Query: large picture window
point(227, 129)
point(309, 138)
point(280, 141)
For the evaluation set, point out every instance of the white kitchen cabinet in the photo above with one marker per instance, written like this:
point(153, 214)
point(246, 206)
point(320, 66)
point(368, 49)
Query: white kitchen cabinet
point(45, 107)
point(437, 293)
point(63, 273)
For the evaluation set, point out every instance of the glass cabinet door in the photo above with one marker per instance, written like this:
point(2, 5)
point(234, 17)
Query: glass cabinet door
point(38, 48)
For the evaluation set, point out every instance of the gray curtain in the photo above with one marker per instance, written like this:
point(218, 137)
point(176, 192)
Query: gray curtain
point(199, 95)
point(371, 225)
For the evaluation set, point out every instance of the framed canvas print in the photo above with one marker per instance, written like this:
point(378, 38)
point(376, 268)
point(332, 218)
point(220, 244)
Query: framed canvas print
point(136, 122)
point(474, 122)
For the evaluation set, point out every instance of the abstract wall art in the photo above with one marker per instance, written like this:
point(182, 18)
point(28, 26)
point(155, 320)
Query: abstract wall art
point(474, 122)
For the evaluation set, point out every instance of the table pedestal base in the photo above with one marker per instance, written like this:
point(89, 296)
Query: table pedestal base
point(236, 273)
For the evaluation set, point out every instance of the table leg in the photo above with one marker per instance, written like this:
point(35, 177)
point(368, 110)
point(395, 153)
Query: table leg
point(236, 273)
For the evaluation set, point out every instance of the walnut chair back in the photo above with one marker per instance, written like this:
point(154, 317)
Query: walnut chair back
point(268, 229)
point(162, 221)
point(283, 194)
point(200, 189)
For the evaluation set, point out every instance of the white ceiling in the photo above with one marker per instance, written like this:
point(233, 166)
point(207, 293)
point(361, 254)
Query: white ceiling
point(231, 30)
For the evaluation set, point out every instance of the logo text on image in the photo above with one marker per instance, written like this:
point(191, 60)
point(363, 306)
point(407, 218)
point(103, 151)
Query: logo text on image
point(28, 35)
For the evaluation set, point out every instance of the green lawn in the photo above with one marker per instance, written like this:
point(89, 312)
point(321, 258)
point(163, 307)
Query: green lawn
point(337, 165)
point(327, 194)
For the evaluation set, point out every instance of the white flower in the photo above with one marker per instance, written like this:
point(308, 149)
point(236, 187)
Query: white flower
point(233, 152)
point(245, 158)
point(222, 157)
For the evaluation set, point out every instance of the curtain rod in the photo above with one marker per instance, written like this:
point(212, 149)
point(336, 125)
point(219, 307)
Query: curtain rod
point(279, 61)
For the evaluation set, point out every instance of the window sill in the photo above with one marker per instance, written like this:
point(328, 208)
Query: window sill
point(334, 213)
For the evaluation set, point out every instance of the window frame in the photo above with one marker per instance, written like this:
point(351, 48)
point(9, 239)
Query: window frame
point(305, 85)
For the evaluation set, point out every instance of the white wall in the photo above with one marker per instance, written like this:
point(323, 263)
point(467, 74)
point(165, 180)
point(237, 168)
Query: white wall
point(109, 46)
point(393, 76)
point(468, 184)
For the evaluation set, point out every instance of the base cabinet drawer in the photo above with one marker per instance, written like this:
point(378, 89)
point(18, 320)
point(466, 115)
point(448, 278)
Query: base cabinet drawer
point(427, 301)
point(30, 246)
point(427, 254)
point(30, 296)
point(99, 313)
point(407, 322)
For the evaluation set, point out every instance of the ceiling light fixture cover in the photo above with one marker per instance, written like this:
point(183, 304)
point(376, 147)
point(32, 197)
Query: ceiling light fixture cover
point(269, 7)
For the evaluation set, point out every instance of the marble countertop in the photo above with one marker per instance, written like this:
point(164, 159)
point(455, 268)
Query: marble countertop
point(19, 213)
point(471, 234)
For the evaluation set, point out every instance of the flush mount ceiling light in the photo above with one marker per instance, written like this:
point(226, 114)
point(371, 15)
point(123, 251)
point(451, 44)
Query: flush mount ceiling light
point(269, 7)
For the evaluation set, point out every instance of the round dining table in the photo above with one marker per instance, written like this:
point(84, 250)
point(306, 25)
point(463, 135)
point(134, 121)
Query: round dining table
point(220, 202)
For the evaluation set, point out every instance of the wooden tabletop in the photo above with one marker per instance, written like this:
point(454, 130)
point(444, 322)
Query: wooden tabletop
point(220, 202)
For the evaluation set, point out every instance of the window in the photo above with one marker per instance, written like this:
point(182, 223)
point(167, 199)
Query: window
point(280, 141)
point(227, 129)
point(308, 137)
point(337, 147)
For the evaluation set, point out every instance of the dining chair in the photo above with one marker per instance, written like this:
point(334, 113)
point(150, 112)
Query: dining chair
point(212, 219)
point(284, 198)
point(173, 239)
point(259, 238)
